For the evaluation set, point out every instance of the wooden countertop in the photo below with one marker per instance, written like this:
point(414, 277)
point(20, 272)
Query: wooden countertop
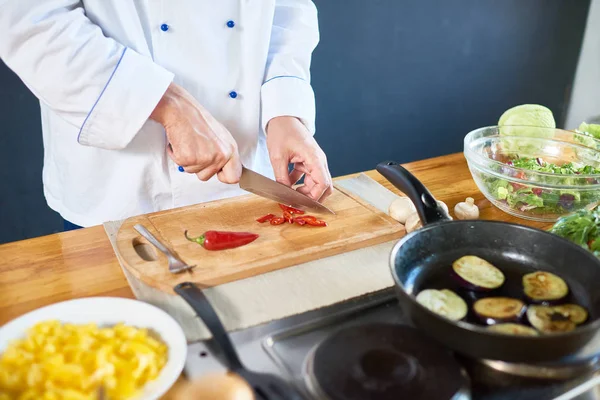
point(48, 269)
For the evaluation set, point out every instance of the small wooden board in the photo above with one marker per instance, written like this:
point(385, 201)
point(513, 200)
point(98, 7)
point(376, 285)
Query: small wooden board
point(356, 224)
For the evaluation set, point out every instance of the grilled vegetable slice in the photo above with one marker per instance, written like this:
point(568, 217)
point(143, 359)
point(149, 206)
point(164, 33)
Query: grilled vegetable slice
point(477, 274)
point(542, 286)
point(443, 302)
point(547, 320)
point(513, 329)
point(576, 313)
point(499, 309)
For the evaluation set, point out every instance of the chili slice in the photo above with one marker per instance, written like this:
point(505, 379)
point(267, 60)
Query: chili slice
point(266, 218)
point(290, 209)
point(316, 223)
point(308, 218)
point(277, 221)
point(300, 221)
point(288, 217)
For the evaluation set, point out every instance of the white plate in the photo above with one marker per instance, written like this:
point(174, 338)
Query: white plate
point(110, 311)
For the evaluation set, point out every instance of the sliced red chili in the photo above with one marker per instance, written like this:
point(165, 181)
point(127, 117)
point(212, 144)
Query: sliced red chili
point(288, 217)
point(290, 209)
point(266, 218)
point(316, 223)
point(308, 218)
point(277, 221)
point(300, 221)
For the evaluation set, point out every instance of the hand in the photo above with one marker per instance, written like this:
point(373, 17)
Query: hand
point(197, 141)
point(289, 141)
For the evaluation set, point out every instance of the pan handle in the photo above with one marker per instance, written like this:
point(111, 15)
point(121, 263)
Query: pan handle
point(427, 208)
point(200, 304)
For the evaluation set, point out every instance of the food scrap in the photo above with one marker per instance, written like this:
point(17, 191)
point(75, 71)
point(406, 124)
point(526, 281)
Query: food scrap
point(291, 215)
point(221, 240)
point(72, 361)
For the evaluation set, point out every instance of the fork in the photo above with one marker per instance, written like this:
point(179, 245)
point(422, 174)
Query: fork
point(175, 264)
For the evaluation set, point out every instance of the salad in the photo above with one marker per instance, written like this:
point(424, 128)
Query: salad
point(582, 228)
point(539, 199)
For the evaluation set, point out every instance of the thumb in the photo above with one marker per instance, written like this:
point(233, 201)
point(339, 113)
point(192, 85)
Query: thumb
point(280, 169)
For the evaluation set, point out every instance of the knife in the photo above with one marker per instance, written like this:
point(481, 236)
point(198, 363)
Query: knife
point(260, 185)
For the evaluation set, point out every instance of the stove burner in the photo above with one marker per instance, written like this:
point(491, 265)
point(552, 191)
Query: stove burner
point(383, 361)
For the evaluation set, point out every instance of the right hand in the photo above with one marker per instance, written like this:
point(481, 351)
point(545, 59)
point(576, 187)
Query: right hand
point(197, 141)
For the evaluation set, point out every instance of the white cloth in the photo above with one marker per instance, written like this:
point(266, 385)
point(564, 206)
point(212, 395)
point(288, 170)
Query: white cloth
point(99, 67)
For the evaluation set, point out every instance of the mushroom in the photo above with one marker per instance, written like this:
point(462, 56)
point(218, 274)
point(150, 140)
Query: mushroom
point(401, 209)
point(413, 222)
point(466, 209)
point(442, 205)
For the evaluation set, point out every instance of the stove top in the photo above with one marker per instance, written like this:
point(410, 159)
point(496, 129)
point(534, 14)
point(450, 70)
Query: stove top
point(381, 355)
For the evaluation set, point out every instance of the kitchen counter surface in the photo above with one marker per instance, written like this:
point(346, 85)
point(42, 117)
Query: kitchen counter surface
point(44, 270)
point(48, 269)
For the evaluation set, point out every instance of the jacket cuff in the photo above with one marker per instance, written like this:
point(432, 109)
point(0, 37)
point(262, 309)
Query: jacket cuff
point(132, 92)
point(288, 96)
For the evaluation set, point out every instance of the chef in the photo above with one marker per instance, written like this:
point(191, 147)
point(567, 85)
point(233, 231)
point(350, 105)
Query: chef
point(150, 105)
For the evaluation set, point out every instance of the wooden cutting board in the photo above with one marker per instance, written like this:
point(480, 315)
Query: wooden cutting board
point(356, 224)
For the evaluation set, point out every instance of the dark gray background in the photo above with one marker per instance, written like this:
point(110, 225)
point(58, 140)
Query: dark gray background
point(394, 79)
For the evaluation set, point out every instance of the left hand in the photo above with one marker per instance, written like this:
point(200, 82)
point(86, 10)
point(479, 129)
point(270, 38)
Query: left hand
point(289, 141)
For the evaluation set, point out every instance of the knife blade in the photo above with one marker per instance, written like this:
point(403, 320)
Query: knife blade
point(260, 185)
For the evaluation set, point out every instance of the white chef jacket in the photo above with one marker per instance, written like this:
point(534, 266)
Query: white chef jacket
point(99, 67)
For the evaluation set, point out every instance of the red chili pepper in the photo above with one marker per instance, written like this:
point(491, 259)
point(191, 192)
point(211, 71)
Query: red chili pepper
point(290, 209)
point(220, 240)
point(288, 217)
point(266, 218)
point(300, 221)
point(316, 222)
point(277, 221)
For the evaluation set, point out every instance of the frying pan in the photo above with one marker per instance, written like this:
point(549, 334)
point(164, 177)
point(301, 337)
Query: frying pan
point(423, 259)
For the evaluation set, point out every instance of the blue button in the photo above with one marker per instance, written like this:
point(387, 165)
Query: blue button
point(233, 94)
point(164, 27)
point(230, 24)
point(180, 168)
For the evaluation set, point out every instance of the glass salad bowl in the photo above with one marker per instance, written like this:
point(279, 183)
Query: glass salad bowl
point(535, 173)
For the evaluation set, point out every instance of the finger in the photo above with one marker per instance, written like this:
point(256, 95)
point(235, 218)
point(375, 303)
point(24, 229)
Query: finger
point(206, 173)
point(296, 175)
point(321, 178)
point(280, 169)
point(307, 187)
point(327, 193)
point(231, 172)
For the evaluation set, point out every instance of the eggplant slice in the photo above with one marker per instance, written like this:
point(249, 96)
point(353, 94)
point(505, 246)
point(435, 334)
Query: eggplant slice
point(513, 329)
point(493, 310)
point(547, 320)
point(542, 286)
point(477, 274)
point(576, 313)
point(443, 302)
